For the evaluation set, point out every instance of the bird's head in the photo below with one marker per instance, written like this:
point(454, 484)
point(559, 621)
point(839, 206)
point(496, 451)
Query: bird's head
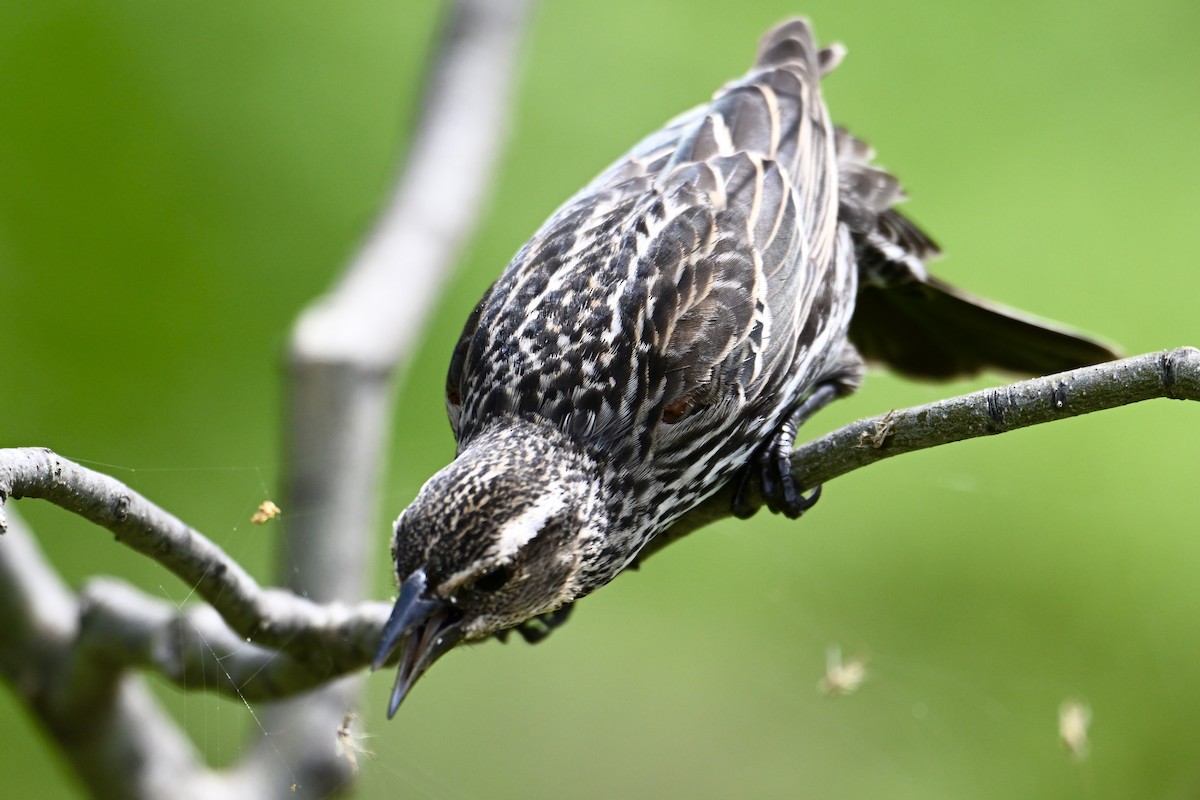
point(492, 540)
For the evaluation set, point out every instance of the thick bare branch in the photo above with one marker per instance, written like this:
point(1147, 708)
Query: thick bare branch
point(345, 345)
point(374, 314)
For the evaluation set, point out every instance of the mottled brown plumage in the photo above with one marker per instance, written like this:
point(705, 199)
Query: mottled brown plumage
point(665, 332)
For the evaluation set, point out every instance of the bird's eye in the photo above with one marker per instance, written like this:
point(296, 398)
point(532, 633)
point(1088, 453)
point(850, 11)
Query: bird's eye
point(494, 579)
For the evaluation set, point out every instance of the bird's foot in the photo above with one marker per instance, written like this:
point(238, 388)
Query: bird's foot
point(771, 468)
point(779, 488)
point(539, 627)
point(771, 464)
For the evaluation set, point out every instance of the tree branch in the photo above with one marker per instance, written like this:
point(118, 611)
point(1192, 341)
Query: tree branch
point(192, 646)
point(331, 639)
point(345, 346)
point(1173, 374)
point(119, 627)
point(346, 635)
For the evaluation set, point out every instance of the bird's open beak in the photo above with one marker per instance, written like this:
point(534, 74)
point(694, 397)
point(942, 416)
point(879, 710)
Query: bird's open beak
point(422, 628)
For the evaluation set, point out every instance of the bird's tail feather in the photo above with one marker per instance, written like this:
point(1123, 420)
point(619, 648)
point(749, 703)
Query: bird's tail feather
point(930, 329)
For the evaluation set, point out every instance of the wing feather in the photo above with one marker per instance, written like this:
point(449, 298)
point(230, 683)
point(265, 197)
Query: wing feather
point(696, 262)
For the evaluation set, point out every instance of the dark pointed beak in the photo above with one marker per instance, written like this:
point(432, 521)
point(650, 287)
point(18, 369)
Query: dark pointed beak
point(423, 628)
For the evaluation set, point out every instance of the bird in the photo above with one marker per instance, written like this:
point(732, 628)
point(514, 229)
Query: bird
point(664, 335)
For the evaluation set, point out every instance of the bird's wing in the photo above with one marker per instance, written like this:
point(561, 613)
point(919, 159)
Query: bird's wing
point(458, 362)
point(747, 283)
point(697, 272)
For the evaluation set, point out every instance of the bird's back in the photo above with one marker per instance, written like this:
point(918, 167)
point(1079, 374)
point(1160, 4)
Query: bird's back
point(667, 314)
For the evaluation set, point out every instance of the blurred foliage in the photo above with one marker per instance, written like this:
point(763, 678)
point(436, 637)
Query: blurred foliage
point(179, 179)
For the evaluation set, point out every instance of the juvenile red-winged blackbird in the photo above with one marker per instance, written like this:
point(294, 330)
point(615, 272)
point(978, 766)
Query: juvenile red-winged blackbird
point(665, 333)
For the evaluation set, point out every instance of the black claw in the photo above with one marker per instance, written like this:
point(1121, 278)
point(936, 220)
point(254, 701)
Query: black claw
point(771, 465)
point(772, 468)
point(812, 499)
point(804, 503)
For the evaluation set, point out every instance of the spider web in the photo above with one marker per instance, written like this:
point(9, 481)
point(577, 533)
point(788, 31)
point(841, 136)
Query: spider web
point(221, 727)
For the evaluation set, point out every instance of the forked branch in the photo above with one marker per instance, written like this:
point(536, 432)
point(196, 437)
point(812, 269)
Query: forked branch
point(277, 633)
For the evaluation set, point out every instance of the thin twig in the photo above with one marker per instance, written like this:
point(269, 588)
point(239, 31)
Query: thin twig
point(333, 638)
point(192, 647)
point(1173, 374)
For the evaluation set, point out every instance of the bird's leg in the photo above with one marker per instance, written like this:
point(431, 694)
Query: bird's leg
point(773, 465)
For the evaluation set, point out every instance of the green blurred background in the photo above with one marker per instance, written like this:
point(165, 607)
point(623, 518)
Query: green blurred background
point(178, 179)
